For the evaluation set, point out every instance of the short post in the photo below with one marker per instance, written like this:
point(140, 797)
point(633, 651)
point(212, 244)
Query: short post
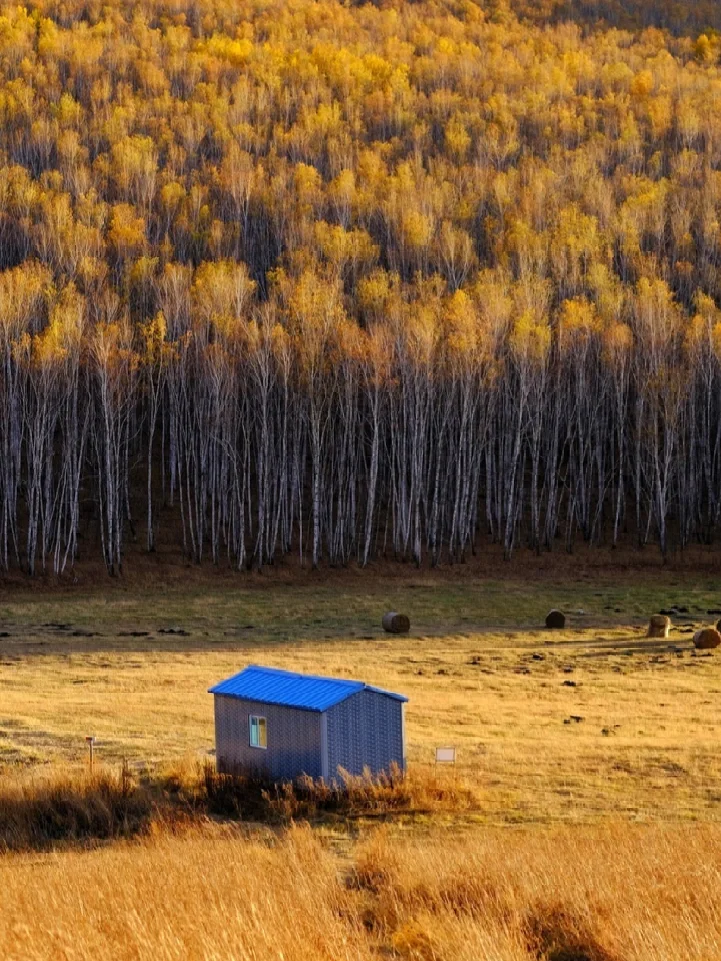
point(90, 741)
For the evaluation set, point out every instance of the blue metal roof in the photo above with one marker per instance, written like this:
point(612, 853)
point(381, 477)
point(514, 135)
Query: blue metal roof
point(306, 691)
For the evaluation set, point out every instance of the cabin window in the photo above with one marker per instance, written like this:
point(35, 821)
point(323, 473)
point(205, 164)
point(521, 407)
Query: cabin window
point(258, 731)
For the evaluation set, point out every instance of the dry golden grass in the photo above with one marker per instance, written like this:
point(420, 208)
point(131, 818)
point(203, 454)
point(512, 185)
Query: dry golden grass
point(487, 862)
point(204, 897)
point(61, 807)
point(632, 893)
point(627, 893)
point(64, 806)
point(572, 725)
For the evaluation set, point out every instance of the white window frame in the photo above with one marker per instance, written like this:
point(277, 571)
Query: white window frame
point(254, 720)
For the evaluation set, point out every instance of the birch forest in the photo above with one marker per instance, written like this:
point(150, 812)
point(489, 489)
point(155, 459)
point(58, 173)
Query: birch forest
point(344, 281)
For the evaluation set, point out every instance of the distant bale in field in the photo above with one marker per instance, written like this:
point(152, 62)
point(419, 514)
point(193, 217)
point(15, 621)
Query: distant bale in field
point(658, 626)
point(555, 620)
point(396, 623)
point(706, 639)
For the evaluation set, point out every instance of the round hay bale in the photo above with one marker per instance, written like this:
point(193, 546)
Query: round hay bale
point(658, 625)
point(718, 626)
point(396, 623)
point(706, 639)
point(555, 620)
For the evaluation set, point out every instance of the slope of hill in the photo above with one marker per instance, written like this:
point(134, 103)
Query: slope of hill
point(358, 280)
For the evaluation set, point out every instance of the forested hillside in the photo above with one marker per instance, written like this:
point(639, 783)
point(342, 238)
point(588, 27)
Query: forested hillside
point(679, 16)
point(349, 280)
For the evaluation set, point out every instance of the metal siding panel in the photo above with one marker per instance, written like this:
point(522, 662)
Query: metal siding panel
point(324, 746)
point(294, 739)
point(366, 730)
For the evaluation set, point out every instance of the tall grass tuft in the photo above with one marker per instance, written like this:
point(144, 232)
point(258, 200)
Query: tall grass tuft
point(69, 806)
point(72, 807)
point(254, 797)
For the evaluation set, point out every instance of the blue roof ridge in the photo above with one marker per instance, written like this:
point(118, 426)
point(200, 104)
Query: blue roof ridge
point(300, 674)
point(304, 697)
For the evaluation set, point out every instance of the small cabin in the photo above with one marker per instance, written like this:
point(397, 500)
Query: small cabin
point(284, 725)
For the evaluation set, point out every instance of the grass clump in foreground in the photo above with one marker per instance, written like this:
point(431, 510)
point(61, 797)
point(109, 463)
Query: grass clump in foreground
point(621, 893)
point(66, 807)
point(69, 807)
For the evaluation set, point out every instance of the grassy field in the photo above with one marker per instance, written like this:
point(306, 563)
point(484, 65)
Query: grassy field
point(631, 893)
point(589, 755)
point(589, 723)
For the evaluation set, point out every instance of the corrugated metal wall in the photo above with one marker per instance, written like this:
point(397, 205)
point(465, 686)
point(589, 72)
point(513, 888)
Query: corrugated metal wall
point(366, 730)
point(294, 739)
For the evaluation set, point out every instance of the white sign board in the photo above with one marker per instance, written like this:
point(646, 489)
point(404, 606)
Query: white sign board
point(445, 755)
